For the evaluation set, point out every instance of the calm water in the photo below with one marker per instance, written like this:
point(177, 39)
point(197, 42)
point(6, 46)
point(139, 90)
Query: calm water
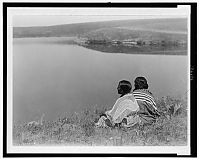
point(56, 78)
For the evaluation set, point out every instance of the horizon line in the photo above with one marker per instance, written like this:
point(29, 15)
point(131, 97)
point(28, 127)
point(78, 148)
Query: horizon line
point(152, 18)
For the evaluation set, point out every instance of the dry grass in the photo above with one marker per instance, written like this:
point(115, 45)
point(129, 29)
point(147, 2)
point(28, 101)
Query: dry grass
point(79, 129)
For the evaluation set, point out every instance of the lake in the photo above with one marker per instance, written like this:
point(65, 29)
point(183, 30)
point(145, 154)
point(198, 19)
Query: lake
point(56, 78)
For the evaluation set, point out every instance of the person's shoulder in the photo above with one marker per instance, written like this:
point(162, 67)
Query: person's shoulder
point(143, 92)
point(126, 96)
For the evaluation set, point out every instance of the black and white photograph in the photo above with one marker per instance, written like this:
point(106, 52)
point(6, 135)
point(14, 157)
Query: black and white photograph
point(98, 80)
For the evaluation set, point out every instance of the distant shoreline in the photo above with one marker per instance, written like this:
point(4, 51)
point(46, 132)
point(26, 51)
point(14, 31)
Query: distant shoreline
point(106, 46)
point(151, 36)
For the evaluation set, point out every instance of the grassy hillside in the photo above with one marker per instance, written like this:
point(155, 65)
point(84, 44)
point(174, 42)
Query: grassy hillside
point(79, 129)
point(124, 33)
point(78, 29)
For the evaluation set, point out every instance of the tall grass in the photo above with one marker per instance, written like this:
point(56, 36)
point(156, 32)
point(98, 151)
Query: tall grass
point(79, 129)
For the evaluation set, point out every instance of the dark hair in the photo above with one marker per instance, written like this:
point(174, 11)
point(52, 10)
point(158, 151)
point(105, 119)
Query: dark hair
point(141, 83)
point(124, 87)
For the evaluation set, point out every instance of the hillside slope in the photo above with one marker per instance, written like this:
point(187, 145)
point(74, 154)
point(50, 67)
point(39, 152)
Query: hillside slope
point(125, 33)
point(78, 29)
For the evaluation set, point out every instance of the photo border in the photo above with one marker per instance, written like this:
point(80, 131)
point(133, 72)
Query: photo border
point(193, 75)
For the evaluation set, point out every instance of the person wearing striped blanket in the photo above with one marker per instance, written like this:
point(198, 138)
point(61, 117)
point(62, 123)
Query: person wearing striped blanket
point(138, 107)
point(148, 112)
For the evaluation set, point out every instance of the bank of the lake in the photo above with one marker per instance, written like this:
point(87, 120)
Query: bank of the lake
point(79, 129)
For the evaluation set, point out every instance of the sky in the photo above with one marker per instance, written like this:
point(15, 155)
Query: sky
point(46, 16)
point(41, 20)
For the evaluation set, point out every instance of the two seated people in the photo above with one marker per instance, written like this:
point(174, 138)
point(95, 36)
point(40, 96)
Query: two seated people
point(137, 107)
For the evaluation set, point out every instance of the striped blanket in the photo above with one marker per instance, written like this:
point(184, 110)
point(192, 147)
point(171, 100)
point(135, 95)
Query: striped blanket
point(148, 110)
point(145, 96)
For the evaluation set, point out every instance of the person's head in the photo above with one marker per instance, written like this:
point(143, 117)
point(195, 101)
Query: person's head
point(124, 87)
point(141, 83)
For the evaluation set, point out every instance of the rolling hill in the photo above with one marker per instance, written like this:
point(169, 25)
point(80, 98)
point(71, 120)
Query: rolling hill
point(116, 33)
point(173, 25)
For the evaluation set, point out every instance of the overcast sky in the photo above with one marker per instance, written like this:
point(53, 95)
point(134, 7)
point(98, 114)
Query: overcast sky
point(46, 16)
point(22, 21)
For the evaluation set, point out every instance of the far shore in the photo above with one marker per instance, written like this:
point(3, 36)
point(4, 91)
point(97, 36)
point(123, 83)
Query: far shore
point(107, 47)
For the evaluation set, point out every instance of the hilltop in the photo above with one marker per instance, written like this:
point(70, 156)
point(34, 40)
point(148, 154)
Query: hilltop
point(78, 29)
